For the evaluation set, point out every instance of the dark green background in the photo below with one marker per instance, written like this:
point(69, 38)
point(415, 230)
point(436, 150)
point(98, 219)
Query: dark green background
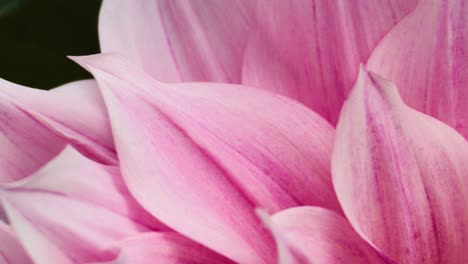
point(37, 35)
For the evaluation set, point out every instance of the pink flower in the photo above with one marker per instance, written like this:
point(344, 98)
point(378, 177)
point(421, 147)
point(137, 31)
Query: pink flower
point(178, 160)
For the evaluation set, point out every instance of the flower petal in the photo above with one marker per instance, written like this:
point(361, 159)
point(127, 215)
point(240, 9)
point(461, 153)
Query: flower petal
point(201, 147)
point(435, 84)
point(201, 40)
point(317, 235)
point(11, 251)
point(401, 176)
point(74, 111)
point(289, 50)
point(25, 144)
point(41, 250)
point(165, 247)
point(74, 205)
point(74, 176)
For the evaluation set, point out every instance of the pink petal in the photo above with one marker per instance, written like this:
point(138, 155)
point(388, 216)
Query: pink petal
point(310, 50)
point(11, 251)
point(41, 249)
point(211, 148)
point(401, 176)
point(25, 144)
point(427, 57)
point(75, 206)
point(317, 235)
point(74, 111)
point(74, 176)
point(200, 40)
point(167, 248)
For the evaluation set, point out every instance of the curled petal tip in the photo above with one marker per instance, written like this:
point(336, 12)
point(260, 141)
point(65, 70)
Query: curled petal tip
point(426, 56)
point(387, 164)
point(369, 82)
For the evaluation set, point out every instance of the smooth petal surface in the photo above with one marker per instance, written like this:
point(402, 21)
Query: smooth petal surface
point(72, 175)
point(74, 111)
point(201, 147)
point(73, 207)
point(317, 235)
point(11, 251)
point(310, 50)
point(25, 143)
point(401, 176)
point(197, 40)
point(285, 252)
point(167, 248)
point(426, 55)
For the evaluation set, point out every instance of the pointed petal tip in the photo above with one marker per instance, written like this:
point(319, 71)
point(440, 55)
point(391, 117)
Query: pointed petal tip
point(104, 65)
point(265, 218)
point(369, 82)
point(96, 60)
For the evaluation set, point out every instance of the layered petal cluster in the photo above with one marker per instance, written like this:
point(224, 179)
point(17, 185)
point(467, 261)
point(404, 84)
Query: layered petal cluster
point(35, 126)
point(309, 50)
point(231, 132)
point(164, 248)
point(175, 41)
point(72, 209)
point(212, 149)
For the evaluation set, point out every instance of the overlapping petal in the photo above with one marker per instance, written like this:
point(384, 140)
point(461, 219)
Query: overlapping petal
point(426, 55)
point(208, 152)
point(25, 144)
point(164, 247)
point(174, 41)
point(72, 210)
point(311, 50)
point(316, 235)
point(74, 111)
point(11, 251)
point(282, 46)
point(401, 176)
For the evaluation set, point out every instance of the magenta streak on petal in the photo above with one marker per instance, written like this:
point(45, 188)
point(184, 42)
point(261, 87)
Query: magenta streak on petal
point(169, 44)
point(289, 49)
point(399, 176)
point(433, 84)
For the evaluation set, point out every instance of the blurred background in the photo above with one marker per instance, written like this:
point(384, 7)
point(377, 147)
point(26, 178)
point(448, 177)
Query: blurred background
point(37, 35)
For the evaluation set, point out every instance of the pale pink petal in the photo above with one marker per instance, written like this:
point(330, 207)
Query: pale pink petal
point(74, 205)
point(426, 55)
point(74, 111)
point(41, 249)
point(25, 143)
point(167, 248)
point(11, 251)
point(317, 235)
point(76, 177)
point(211, 148)
point(286, 252)
point(311, 50)
point(401, 176)
point(197, 40)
